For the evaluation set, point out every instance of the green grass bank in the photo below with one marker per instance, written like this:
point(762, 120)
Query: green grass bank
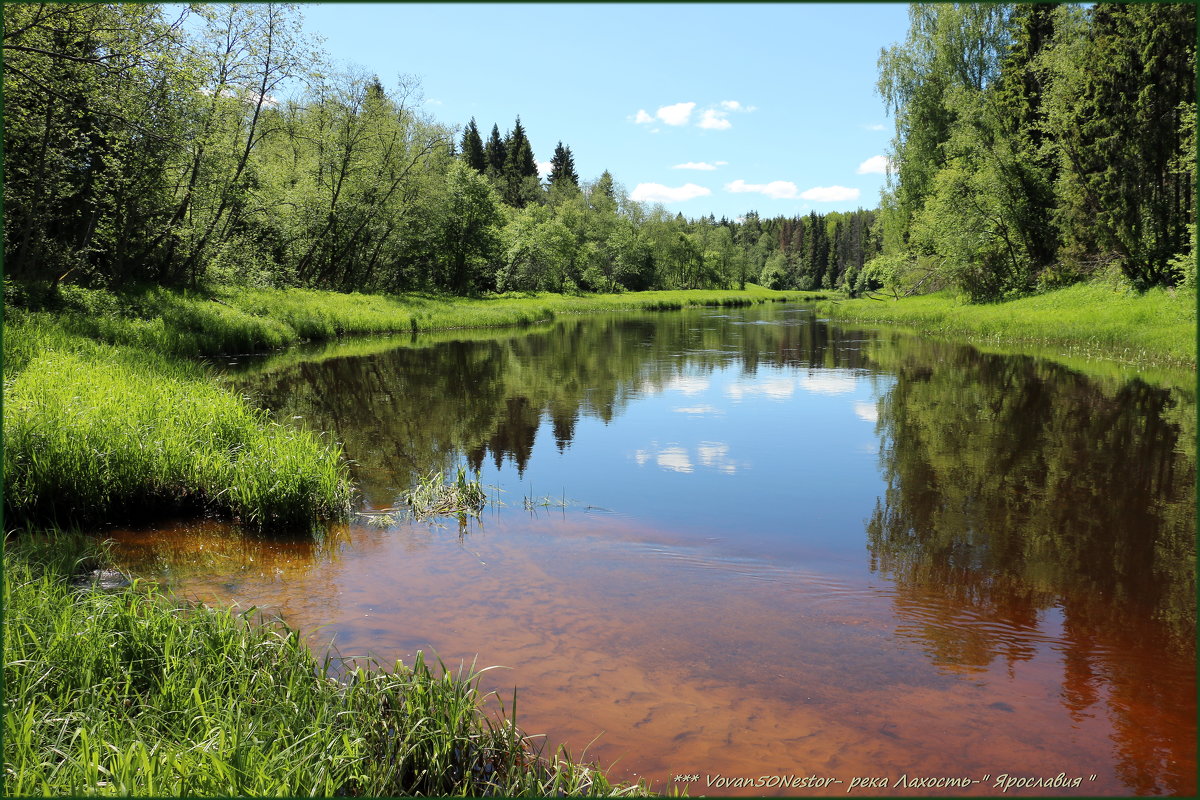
point(1085, 320)
point(128, 692)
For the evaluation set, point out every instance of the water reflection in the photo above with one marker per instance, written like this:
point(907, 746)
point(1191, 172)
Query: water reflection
point(1023, 497)
point(413, 409)
point(831, 552)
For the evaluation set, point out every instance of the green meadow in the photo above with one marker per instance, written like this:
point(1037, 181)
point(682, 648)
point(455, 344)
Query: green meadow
point(1157, 327)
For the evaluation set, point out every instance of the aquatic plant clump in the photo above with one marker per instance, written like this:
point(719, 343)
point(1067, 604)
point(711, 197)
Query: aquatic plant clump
point(127, 692)
point(434, 496)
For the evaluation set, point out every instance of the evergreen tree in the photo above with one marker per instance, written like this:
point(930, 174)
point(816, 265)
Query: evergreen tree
point(1119, 104)
point(472, 148)
point(519, 152)
point(495, 154)
point(562, 167)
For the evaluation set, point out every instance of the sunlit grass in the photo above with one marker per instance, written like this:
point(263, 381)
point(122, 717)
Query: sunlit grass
point(95, 432)
point(240, 320)
point(1156, 327)
point(129, 692)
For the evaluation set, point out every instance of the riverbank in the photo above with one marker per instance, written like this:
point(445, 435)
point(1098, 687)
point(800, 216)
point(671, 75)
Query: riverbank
point(126, 691)
point(1157, 327)
point(108, 416)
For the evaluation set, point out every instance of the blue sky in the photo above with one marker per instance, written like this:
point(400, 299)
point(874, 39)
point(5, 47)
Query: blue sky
point(707, 108)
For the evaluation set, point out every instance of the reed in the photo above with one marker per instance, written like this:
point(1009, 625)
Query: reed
point(437, 496)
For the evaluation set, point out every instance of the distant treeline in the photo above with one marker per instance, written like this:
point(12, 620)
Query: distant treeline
point(184, 146)
point(1037, 144)
point(156, 144)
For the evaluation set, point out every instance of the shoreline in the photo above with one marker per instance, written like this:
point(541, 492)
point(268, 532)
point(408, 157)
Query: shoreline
point(1086, 319)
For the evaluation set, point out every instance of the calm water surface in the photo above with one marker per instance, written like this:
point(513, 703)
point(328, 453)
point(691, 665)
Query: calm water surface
point(749, 543)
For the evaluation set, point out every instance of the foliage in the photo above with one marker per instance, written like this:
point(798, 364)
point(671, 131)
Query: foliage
point(1037, 144)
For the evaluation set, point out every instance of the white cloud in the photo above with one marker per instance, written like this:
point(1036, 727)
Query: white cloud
point(686, 385)
point(544, 168)
point(875, 165)
point(877, 126)
point(828, 382)
point(697, 165)
point(734, 105)
point(714, 120)
point(712, 453)
point(829, 194)
point(677, 114)
point(701, 410)
point(657, 193)
point(867, 411)
point(675, 459)
point(778, 190)
point(775, 389)
point(720, 163)
point(433, 102)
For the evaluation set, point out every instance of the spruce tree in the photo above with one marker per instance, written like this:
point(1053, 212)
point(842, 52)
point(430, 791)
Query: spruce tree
point(520, 152)
point(495, 154)
point(472, 148)
point(562, 167)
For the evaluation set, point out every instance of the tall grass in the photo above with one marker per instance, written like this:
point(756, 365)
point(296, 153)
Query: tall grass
point(95, 432)
point(127, 692)
point(1156, 327)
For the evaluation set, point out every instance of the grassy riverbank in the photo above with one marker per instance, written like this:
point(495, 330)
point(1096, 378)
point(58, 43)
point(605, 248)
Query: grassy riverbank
point(1086, 320)
point(107, 417)
point(127, 692)
point(237, 320)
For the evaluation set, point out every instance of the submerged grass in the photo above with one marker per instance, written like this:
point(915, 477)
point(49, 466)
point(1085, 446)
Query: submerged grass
point(128, 692)
point(435, 496)
point(1085, 320)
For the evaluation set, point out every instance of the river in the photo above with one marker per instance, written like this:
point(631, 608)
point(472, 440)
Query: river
point(730, 546)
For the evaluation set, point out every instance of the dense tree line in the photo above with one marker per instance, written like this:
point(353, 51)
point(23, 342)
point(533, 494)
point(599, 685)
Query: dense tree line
point(1037, 144)
point(181, 146)
point(143, 149)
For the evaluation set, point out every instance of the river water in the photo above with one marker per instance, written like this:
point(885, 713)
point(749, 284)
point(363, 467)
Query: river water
point(750, 544)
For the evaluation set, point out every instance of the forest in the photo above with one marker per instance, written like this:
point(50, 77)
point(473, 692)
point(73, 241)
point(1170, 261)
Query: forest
point(1036, 145)
point(145, 144)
